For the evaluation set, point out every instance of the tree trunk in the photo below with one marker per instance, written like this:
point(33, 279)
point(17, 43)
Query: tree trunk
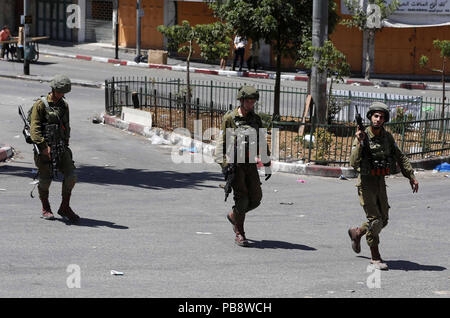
point(369, 52)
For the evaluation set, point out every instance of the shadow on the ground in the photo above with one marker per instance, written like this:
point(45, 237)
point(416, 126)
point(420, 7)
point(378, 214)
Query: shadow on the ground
point(279, 244)
point(93, 223)
point(140, 178)
point(410, 266)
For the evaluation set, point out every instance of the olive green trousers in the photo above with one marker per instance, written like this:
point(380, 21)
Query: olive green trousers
point(373, 199)
point(247, 193)
point(66, 167)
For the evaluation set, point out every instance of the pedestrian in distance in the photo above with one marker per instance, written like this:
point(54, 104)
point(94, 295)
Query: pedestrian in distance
point(239, 50)
point(375, 155)
point(49, 125)
point(253, 60)
point(5, 35)
point(238, 145)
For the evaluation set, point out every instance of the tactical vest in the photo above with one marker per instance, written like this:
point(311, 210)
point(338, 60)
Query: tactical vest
point(53, 115)
point(246, 135)
point(381, 160)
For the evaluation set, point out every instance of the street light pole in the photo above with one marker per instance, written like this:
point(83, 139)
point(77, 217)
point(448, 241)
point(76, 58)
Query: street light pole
point(26, 62)
point(116, 31)
point(138, 32)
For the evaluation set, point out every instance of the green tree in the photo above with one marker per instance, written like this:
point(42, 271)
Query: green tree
point(444, 47)
point(368, 19)
point(213, 40)
point(284, 24)
point(333, 62)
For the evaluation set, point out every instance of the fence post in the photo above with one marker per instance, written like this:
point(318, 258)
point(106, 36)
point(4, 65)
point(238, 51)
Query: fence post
point(140, 97)
point(424, 133)
point(156, 106)
point(126, 95)
point(146, 92)
point(106, 96)
point(197, 115)
point(211, 114)
point(184, 112)
point(170, 109)
point(113, 100)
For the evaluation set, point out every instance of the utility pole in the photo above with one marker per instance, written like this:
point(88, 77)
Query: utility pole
point(116, 28)
point(26, 31)
point(319, 79)
point(137, 59)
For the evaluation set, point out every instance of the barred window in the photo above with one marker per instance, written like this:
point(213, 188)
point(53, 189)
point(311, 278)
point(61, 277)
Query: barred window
point(102, 10)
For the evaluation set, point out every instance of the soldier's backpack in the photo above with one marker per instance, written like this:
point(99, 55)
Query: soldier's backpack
point(47, 108)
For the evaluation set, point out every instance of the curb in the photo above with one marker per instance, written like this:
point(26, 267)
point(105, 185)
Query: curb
point(169, 138)
point(6, 152)
point(289, 77)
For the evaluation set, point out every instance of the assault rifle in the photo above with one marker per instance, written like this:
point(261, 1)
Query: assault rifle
point(360, 124)
point(230, 173)
point(56, 144)
point(26, 130)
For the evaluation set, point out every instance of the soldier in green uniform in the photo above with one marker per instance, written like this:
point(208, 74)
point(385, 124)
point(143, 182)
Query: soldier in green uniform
point(239, 143)
point(373, 161)
point(53, 109)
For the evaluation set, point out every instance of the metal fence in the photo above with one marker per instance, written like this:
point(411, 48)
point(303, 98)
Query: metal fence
point(418, 129)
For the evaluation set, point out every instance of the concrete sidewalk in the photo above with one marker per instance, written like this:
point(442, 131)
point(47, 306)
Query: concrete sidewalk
point(103, 52)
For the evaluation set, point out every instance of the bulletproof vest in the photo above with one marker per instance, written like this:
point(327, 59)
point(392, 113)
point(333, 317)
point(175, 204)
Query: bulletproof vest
point(246, 136)
point(53, 116)
point(381, 161)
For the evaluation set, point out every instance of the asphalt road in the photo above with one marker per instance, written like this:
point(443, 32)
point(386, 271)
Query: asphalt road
point(163, 224)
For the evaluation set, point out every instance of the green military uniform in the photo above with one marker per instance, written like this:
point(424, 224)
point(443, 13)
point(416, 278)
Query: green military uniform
point(56, 113)
point(246, 186)
point(372, 188)
point(239, 145)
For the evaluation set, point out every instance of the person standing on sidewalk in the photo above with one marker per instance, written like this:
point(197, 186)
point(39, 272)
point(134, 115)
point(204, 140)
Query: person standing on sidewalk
point(49, 110)
point(235, 146)
point(5, 35)
point(239, 50)
point(373, 160)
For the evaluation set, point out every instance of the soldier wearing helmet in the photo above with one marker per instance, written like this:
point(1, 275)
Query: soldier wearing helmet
point(48, 110)
point(239, 145)
point(375, 155)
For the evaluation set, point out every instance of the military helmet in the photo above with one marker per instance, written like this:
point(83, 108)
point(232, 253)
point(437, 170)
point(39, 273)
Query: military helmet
point(378, 106)
point(248, 92)
point(61, 84)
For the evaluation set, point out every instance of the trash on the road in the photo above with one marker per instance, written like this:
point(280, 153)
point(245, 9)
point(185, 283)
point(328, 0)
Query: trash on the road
point(116, 273)
point(356, 84)
point(17, 136)
point(2, 189)
point(34, 182)
point(191, 150)
point(287, 203)
point(300, 216)
point(351, 290)
point(442, 167)
point(341, 177)
point(96, 120)
point(157, 140)
point(203, 233)
point(275, 190)
point(301, 181)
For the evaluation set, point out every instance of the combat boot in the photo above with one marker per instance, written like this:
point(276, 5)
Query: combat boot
point(47, 213)
point(376, 260)
point(355, 235)
point(231, 219)
point(65, 211)
point(240, 239)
